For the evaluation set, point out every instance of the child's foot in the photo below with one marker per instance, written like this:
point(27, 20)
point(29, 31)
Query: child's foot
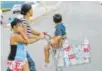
point(47, 65)
point(47, 61)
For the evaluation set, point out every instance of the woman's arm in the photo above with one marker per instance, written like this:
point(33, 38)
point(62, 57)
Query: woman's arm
point(34, 32)
point(24, 35)
point(34, 36)
point(20, 39)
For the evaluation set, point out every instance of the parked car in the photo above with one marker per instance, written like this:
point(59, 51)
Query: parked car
point(16, 8)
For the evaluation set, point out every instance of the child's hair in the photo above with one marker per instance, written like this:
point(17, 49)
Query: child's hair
point(57, 18)
point(15, 22)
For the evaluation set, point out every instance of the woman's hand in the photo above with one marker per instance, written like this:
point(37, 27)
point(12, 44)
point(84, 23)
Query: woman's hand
point(42, 36)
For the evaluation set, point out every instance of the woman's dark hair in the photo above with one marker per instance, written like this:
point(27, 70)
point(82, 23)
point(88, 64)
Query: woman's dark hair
point(15, 22)
point(57, 18)
point(25, 8)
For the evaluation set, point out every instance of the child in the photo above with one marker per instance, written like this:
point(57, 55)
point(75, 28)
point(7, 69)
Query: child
point(17, 59)
point(56, 41)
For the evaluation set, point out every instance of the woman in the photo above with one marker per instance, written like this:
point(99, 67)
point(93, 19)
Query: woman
point(27, 12)
point(17, 60)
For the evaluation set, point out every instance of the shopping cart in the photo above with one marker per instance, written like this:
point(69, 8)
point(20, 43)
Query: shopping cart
point(54, 52)
point(74, 54)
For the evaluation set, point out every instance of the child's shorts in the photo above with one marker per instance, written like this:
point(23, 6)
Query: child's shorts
point(15, 65)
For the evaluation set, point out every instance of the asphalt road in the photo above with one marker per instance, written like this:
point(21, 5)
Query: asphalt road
point(82, 19)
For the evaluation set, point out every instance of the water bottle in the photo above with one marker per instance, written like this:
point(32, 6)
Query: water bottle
point(66, 43)
point(60, 58)
point(67, 48)
point(86, 51)
point(78, 55)
point(72, 59)
point(66, 61)
point(85, 48)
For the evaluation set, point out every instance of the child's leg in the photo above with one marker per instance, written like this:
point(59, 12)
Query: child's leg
point(47, 53)
point(26, 67)
point(56, 43)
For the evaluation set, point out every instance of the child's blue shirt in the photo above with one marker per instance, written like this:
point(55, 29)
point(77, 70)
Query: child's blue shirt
point(60, 30)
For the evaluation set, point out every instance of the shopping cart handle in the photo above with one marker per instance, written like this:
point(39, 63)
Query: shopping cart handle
point(45, 33)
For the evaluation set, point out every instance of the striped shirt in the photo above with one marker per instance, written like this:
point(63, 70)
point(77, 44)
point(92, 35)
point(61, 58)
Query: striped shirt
point(27, 25)
point(25, 22)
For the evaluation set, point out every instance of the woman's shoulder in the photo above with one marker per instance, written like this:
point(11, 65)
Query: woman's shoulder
point(13, 38)
point(14, 35)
